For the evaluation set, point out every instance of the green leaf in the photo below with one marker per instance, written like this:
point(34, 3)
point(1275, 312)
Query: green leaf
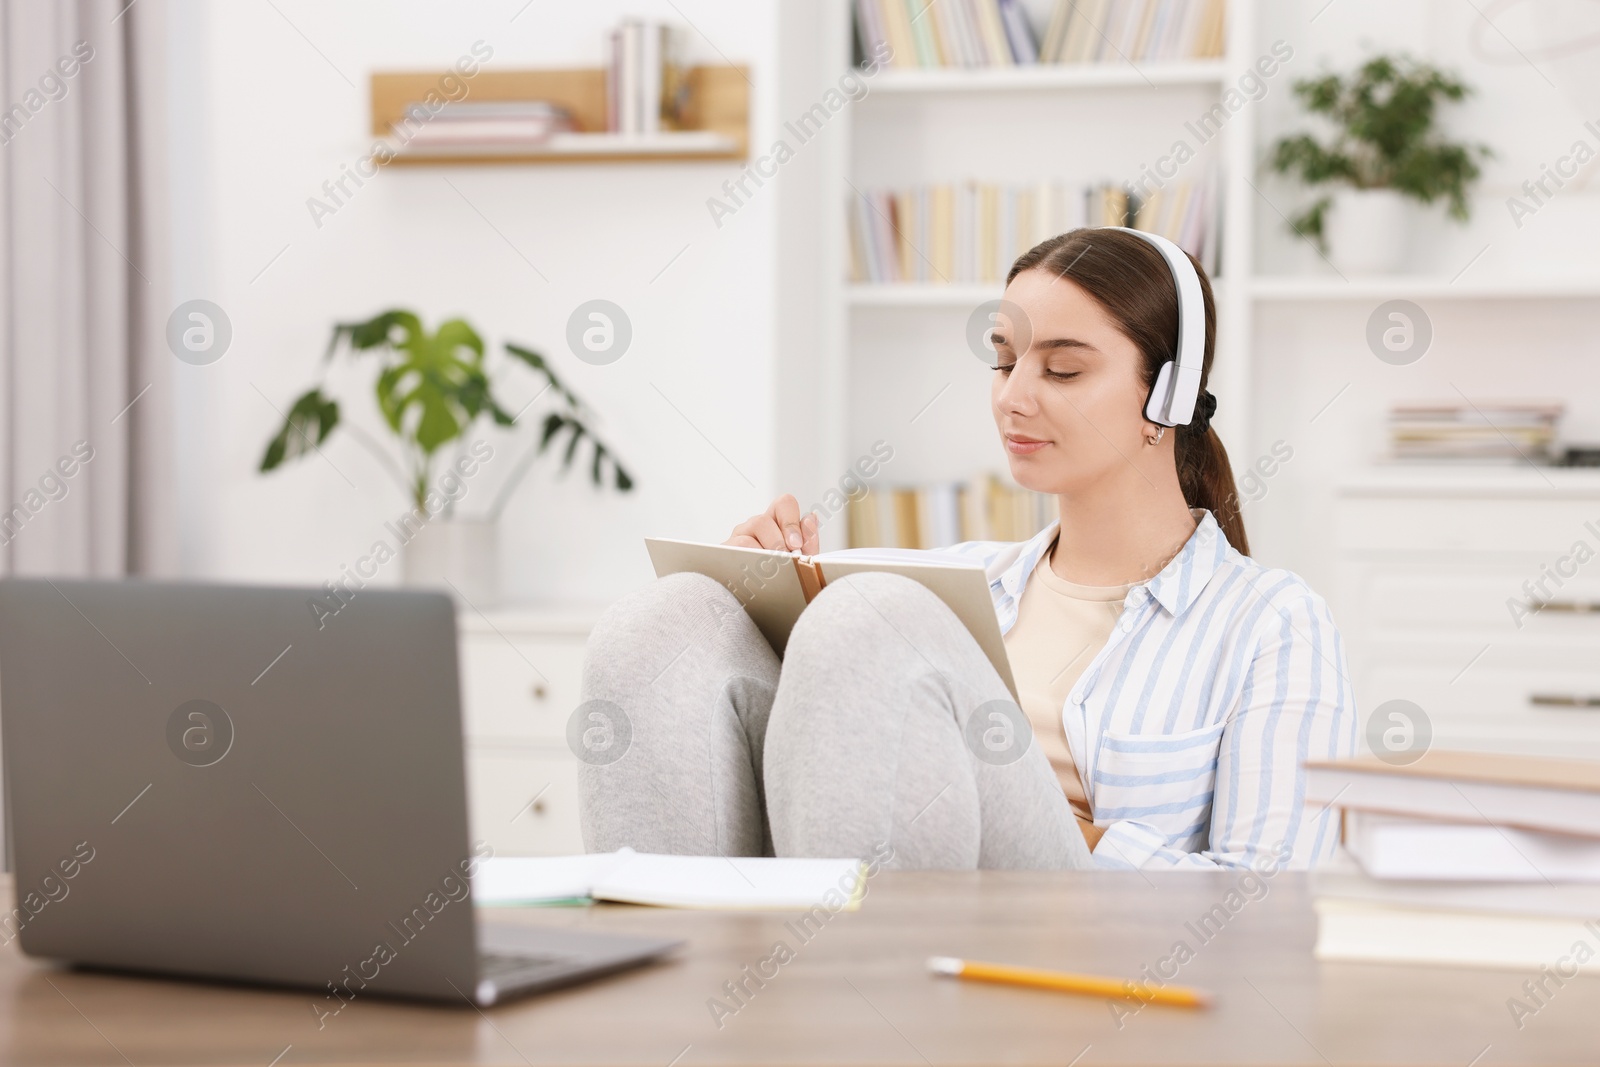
point(552, 424)
point(376, 332)
point(578, 433)
point(537, 362)
point(457, 334)
point(309, 422)
point(437, 424)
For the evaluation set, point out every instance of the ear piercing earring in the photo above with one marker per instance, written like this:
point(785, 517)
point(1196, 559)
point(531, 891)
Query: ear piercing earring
point(1156, 440)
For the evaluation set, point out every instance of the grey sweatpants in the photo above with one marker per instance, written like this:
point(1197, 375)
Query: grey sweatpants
point(883, 724)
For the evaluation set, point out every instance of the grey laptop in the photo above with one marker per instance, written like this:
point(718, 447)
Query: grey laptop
point(230, 783)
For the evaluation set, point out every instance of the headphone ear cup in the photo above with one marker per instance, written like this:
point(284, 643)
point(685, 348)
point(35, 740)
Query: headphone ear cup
point(1155, 407)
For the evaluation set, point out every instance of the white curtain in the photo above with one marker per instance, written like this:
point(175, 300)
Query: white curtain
point(85, 483)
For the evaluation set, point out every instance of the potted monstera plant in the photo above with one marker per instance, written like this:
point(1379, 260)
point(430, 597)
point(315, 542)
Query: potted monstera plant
point(1385, 149)
point(432, 388)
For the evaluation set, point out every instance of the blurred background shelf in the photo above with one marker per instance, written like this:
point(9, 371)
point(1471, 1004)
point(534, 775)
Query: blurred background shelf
point(591, 148)
point(1288, 287)
point(715, 119)
point(1048, 76)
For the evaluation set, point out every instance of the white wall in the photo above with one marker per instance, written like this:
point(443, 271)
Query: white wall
point(271, 105)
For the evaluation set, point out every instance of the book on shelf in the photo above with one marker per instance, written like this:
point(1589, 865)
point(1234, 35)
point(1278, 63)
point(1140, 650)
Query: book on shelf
point(644, 78)
point(998, 33)
point(973, 231)
point(472, 124)
point(939, 514)
point(1461, 859)
point(1482, 433)
point(775, 587)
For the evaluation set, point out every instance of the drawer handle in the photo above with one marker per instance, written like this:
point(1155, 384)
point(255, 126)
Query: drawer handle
point(1564, 700)
point(1570, 607)
point(539, 691)
point(537, 807)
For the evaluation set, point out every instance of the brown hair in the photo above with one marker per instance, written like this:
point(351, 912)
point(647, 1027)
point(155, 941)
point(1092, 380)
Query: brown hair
point(1127, 276)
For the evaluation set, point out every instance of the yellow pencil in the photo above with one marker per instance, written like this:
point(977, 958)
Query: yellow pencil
point(1087, 984)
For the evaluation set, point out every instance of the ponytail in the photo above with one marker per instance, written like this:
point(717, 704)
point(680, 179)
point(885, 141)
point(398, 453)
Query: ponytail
point(1128, 277)
point(1207, 480)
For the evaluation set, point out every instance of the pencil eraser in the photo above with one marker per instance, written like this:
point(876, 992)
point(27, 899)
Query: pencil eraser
point(944, 965)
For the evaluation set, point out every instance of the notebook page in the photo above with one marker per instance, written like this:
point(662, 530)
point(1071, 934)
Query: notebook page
point(733, 882)
point(506, 881)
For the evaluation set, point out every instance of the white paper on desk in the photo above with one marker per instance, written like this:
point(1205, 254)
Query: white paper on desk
point(733, 882)
point(719, 882)
point(505, 881)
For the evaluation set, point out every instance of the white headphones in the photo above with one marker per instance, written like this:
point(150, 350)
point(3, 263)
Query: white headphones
point(1177, 387)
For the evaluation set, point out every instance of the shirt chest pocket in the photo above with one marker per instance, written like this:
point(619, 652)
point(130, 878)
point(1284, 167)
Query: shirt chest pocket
point(1162, 780)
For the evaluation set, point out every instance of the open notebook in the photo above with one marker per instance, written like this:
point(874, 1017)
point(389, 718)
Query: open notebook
point(628, 877)
point(775, 587)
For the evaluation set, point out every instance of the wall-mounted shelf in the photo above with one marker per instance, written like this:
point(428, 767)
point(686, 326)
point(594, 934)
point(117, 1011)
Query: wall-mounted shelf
point(716, 117)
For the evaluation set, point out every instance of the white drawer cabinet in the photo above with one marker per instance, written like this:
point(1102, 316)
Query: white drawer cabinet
point(1433, 563)
point(518, 688)
point(520, 675)
point(524, 802)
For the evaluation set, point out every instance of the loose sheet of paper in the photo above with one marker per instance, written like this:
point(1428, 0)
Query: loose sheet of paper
point(722, 882)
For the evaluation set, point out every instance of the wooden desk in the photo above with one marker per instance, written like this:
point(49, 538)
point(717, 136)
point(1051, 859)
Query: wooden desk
point(856, 993)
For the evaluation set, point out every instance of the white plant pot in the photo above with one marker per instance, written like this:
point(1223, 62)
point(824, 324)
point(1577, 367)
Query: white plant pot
point(1367, 231)
point(460, 556)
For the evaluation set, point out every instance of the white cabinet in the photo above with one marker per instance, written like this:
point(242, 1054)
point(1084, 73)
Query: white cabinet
point(1434, 609)
point(520, 675)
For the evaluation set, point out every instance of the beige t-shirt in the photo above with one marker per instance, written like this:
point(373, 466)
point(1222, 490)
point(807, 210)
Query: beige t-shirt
point(1060, 628)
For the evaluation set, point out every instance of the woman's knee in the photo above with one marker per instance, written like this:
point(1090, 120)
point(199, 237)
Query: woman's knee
point(669, 608)
point(674, 604)
point(856, 612)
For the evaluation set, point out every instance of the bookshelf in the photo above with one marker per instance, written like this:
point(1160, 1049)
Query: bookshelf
point(716, 116)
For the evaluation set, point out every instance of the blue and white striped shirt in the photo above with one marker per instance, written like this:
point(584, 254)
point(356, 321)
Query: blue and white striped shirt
point(1190, 727)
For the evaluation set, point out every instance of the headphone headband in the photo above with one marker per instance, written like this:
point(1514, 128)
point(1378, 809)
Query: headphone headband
point(1177, 387)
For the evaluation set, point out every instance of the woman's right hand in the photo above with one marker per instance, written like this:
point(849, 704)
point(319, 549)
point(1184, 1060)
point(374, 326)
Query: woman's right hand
point(781, 528)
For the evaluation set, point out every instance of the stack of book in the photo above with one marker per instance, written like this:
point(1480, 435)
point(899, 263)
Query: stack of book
point(644, 81)
point(971, 232)
point(1114, 31)
point(996, 33)
point(941, 514)
point(1462, 859)
point(1495, 433)
point(491, 126)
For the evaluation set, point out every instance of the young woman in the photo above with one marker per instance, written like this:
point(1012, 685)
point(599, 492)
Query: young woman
point(1173, 685)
